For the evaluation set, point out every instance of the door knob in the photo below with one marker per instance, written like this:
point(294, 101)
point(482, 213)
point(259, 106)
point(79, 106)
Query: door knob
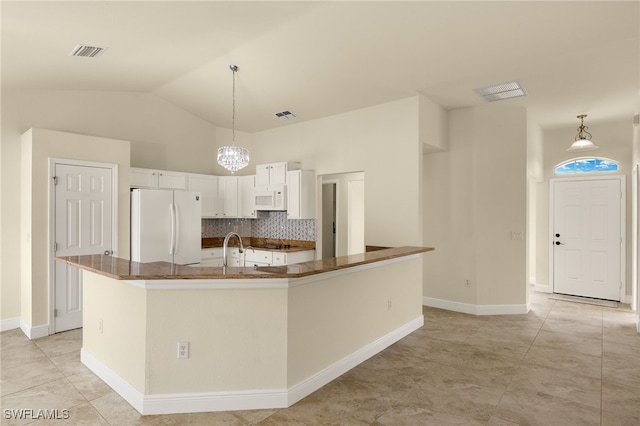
point(557, 235)
point(107, 253)
point(559, 243)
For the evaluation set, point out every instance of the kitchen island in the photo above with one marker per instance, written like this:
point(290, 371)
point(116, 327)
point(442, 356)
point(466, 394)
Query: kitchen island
point(261, 337)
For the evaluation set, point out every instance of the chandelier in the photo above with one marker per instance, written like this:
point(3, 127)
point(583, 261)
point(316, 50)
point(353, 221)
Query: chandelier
point(583, 138)
point(232, 157)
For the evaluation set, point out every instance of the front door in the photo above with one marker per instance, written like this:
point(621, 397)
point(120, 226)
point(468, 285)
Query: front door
point(586, 238)
point(83, 225)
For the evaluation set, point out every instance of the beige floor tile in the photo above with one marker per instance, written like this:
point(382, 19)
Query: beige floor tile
point(528, 407)
point(27, 375)
point(620, 404)
point(61, 343)
point(117, 411)
point(89, 385)
point(590, 345)
point(570, 386)
point(21, 355)
point(56, 395)
point(621, 369)
point(69, 363)
point(79, 415)
point(197, 419)
point(572, 326)
point(12, 339)
point(562, 360)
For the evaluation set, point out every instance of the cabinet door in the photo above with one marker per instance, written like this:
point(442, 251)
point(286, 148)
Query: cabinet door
point(246, 207)
point(207, 186)
point(172, 180)
point(278, 174)
point(262, 174)
point(143, 178)
point(301, 193)
point(279, 259)
point(228, 186)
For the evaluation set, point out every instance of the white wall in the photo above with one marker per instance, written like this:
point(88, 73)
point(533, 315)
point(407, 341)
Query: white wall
point(475, 197)
point(615, 140)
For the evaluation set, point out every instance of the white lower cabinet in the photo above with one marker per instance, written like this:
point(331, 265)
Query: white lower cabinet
point(258, 257)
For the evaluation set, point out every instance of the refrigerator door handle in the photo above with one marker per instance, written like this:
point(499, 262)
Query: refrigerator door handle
point(172, 240)
point(176, 233)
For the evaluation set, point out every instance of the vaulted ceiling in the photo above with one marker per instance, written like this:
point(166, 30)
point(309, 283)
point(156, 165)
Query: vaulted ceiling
point(318, 59)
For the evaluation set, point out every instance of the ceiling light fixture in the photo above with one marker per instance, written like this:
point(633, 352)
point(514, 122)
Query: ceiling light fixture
point(232, 157)
point(583, 138)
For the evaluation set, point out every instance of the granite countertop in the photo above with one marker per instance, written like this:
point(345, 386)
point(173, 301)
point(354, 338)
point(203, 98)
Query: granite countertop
point(123, 269)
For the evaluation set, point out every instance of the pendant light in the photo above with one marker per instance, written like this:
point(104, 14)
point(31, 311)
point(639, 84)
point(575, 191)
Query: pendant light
point(232, 157)
point(583, 138)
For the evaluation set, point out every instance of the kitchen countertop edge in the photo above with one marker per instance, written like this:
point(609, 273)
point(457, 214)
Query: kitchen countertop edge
point(123, 269)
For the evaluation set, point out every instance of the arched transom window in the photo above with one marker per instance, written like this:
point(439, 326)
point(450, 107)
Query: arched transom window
point(587, 165)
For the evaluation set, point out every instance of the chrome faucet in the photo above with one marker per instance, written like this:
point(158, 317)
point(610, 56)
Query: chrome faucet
point(226, 243)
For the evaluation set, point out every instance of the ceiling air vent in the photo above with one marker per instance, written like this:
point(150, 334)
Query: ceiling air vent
point(285, 115)
point(499, 92)
point(87, 51)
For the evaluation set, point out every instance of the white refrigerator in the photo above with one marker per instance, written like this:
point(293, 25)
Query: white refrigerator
point(166, 226)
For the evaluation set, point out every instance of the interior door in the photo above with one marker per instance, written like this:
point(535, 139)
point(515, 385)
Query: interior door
point(83, 225)
point(586, 238)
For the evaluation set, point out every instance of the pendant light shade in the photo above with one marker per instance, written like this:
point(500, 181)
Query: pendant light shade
point(232, 157)
point(583, 138)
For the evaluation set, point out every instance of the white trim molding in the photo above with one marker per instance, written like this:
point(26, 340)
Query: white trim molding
point(9, 324)
point(34, 332)
point(241, 400)
point(467, 308)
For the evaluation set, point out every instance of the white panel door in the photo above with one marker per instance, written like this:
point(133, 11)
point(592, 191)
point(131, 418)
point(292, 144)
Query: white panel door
point(83, 225)
point(586, 238)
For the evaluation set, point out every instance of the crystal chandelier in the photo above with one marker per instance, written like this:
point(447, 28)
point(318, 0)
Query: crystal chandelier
point(583, 138)
point(232, 157)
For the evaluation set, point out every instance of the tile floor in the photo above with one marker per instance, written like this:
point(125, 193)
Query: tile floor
point(562, 364)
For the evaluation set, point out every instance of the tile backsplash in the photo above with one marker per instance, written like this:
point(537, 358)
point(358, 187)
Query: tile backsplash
point(273, 225)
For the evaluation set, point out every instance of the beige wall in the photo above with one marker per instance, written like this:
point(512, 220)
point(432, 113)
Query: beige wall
point(475, 197)
point(381, 141)
point(614, 139)
point(160, 134)
point(38, 147)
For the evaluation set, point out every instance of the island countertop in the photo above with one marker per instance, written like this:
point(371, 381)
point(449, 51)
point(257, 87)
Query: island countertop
point(123, 269)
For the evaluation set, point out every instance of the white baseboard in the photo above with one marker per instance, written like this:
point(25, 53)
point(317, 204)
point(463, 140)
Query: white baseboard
point(9, 324)
point(241, 400)
point(34, 332)
point(542, 288)
point(467, 308)
point(627, 299)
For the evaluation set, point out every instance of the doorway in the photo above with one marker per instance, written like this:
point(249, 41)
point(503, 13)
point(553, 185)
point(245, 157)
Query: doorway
point(587, 236)
point(343, 208)
point(329, 208)
point(83, 222)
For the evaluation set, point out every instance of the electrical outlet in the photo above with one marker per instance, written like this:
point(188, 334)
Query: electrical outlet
point(467, 283)
point(389, 304)
point(183, 350)
point(100, 326)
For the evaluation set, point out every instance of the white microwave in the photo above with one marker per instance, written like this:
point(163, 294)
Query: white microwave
point(272, 197)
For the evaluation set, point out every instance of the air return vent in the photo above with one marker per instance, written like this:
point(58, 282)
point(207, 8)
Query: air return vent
point(285, 115)
point(501, 91)
point(87, 51)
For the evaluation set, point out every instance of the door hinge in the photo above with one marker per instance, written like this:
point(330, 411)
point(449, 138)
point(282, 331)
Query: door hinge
point(55, 313)
point(55, 180)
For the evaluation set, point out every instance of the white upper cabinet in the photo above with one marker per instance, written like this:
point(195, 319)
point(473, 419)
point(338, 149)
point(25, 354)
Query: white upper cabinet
point(274, 173)
point(228, 194)
point(246, 200)
point(207, 186)
point(157, 179)
point(301, 193)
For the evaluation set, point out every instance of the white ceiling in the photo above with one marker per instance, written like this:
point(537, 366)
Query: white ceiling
point(318, 59)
